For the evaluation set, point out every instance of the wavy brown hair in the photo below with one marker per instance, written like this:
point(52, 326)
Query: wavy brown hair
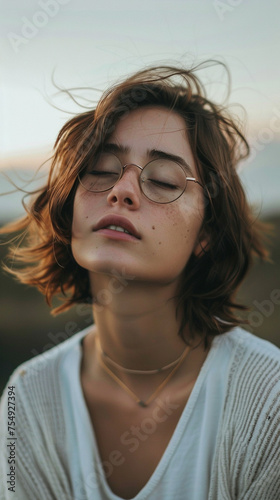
point(210, 281)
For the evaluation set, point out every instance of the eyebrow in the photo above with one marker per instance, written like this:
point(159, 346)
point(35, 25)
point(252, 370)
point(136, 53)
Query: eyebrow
point(150, 153)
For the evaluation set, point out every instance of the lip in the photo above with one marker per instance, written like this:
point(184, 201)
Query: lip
point(117, 220)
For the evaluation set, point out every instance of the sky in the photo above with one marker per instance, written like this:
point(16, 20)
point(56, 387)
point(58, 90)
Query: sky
point(91, 44)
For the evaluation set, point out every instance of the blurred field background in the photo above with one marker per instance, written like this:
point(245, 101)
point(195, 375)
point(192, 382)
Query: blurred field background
point(28, 329)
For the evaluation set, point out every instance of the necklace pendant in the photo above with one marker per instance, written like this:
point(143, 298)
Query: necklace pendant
point(142, 404)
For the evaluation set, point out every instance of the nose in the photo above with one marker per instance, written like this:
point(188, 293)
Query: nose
point(127, 190)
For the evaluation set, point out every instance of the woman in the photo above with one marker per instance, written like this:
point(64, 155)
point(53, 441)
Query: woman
point(165, 396)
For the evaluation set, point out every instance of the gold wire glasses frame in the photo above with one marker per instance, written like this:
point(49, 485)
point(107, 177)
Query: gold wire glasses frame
point(161, 180)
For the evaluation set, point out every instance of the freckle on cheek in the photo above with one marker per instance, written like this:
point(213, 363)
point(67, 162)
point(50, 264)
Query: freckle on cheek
point(153, 227)
point(159, 242)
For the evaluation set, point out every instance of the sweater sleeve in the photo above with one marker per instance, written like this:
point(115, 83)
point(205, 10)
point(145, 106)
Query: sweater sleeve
point(248, 464)
point(40, 465)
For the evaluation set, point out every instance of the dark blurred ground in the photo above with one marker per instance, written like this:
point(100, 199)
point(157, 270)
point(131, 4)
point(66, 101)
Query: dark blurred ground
point(28, 329)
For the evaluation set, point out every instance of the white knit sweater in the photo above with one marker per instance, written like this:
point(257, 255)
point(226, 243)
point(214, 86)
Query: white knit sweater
point(246, 463)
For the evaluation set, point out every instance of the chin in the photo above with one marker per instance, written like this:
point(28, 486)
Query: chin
point(110, 267)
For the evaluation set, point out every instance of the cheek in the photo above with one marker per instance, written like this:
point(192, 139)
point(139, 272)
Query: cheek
point(81, 213)
point(184, 223)
point(182, 230)
point(175, 240)
point(76, 222)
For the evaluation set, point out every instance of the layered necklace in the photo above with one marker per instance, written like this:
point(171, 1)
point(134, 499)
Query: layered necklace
point(106, 360)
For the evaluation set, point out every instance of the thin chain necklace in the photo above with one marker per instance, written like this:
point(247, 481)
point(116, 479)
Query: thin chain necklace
point(139, 401)
point(113, 363)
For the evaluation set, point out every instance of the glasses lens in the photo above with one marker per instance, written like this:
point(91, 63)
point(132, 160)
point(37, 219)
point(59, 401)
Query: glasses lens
point(163, 180)
point(102, 174)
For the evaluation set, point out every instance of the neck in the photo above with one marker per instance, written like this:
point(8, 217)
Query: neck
point(139, 327)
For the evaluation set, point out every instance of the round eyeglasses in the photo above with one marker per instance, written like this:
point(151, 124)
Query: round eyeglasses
point(161, 180)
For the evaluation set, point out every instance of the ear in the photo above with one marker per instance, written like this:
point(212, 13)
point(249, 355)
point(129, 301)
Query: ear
point(203, 243)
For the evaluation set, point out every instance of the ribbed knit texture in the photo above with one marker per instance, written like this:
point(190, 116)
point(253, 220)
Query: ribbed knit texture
point(246, 465)
point(40, 460)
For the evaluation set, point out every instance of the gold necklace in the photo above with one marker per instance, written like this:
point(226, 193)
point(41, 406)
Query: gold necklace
point(139, 401)
point(113, 363)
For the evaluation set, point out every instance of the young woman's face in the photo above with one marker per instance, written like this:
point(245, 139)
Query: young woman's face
point(165, 235)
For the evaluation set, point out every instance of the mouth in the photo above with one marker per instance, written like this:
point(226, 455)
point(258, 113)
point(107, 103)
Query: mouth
point(117, 224)
point(117, 228)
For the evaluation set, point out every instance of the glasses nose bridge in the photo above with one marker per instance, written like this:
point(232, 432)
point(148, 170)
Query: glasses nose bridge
point(129, 165)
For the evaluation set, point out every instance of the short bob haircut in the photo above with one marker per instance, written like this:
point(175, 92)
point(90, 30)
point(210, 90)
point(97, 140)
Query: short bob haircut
point(209, 282)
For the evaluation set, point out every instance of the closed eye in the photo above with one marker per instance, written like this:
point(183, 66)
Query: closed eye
point(164, 185)
point(101, 173)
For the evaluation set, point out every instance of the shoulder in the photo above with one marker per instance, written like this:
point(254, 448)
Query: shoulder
point(252, 404)
point(251, 361)
point(249, 354)
point(254, 371)
point(245, 342)
point(248, 450)
point(252, 356)
point(36, 381)
point(33, 396)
